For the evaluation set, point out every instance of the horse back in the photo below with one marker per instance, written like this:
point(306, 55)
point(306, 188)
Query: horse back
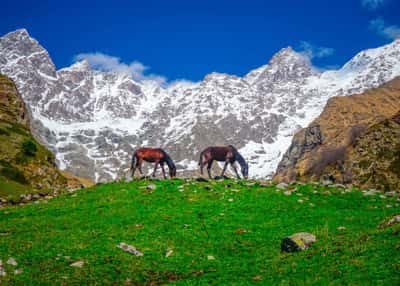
point(219, 153)
point(150, 154)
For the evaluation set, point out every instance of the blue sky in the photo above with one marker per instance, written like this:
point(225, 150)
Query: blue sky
point(188, 39)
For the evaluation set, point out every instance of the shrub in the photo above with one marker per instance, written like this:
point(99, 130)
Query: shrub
point(4, 132)
point(29, 148)
point(13, 174)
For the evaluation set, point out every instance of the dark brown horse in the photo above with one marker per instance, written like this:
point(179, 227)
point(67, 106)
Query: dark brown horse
point(227, 154)
point(152, 155)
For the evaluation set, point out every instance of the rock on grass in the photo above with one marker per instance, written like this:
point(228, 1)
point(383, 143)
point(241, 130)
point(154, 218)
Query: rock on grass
point(282, 186)
point(78, 264)
point(129, 248)
point(12, 261)
point(298, 241)
point(392, 221)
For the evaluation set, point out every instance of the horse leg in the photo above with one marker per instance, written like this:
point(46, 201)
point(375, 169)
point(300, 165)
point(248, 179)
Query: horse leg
point(224, 169)
point(201, 163)
point(162, 169)
point(133, 171)
point(139, 166)
point(201, 167)
point(235, 169)
point(155, 169)
point(209, 168)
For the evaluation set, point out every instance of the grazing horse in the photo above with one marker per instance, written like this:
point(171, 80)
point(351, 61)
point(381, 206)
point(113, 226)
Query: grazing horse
point(227, 154)
point(153, 155)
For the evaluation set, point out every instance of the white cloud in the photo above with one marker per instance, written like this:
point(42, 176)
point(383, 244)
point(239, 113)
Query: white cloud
point(311, 51)
point(373, 4)
point(379, 26)
point(103, 62)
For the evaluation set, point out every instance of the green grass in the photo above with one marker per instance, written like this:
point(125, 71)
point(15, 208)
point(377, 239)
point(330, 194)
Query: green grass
point(204, 219)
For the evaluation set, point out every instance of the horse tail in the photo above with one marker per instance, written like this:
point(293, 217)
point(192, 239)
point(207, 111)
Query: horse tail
point(201, 158)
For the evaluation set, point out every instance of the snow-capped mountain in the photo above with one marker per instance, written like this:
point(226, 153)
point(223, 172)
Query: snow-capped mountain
point(93, 120)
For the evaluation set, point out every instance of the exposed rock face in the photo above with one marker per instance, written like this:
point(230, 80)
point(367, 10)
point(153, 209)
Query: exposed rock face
point(24, 163)
point(94, 120)
point(374, 161)
point(355, 139)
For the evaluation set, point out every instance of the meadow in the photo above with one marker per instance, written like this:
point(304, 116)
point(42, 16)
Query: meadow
point(201, 233)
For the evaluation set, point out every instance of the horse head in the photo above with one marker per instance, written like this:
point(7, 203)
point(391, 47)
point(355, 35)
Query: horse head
point(172, 172)
point(245, 170)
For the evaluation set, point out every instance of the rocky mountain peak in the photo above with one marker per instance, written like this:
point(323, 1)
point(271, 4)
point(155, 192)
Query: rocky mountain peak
point(79, 66)
point(288, 56)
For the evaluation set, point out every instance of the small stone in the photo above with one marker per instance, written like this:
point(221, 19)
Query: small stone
point(393, 220)
point(339, 186)
point(129, 248)
point(370, 192)
point(241, 230)
point(287, 193)
point(382, 196)
point(300, 201)
point(17, 271)
point(298, 241)
point(282, 186)
point(257, 278)
point(2, 272)
point(391, 194)
point(139, 225)
point(151, 187)
point(230, 200)
point(389, 206)
point(78, 264)
point(326, 182)
point(169, 252)
point(341, 228)
point(12, 261)
point(210, 257)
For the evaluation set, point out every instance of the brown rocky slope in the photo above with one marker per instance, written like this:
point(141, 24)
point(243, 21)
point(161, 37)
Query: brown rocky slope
point(25, 165)
point(354, 140)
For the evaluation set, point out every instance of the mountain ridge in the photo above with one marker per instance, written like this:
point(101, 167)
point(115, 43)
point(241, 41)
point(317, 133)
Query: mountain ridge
point(93, 120)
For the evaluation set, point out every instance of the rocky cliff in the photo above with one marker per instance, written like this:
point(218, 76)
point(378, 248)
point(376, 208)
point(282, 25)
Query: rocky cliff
point(354, 140)
point(25, 165)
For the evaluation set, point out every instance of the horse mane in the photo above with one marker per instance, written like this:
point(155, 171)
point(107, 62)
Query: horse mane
point(169, 161)
point(239, 158)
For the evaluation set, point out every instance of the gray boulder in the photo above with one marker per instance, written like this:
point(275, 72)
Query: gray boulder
point(297, 242)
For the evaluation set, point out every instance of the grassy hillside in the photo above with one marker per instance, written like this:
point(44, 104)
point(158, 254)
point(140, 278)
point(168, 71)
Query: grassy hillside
point(216, 233)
